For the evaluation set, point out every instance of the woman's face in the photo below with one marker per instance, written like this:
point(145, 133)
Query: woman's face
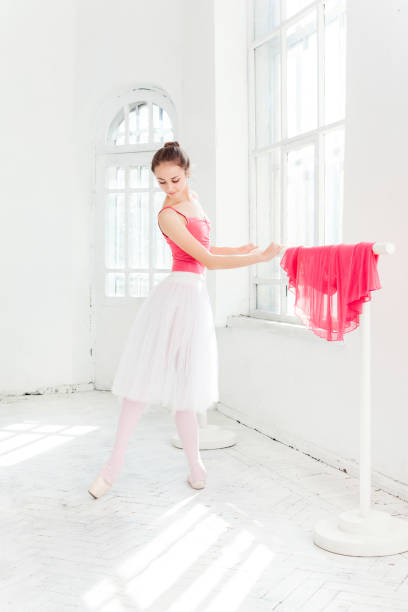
point(171, 178)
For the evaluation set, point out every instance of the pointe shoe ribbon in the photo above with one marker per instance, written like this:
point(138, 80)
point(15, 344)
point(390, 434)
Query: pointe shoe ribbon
point(99, 487)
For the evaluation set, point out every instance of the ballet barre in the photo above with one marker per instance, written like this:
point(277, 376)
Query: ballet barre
point(363, 531)
point(380, 248)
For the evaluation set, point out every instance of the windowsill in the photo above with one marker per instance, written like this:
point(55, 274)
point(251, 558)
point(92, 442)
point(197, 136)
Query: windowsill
point(275, 327)
point(282, 328)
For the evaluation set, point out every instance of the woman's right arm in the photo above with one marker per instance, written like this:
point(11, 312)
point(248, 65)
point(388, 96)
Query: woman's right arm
point(219, 262)
point(175, 228)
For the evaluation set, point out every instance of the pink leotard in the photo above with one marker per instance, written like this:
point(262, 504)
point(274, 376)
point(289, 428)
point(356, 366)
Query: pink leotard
point(200, 229)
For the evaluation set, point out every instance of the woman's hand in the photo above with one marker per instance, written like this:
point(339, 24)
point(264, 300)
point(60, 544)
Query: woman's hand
point(246, 248)
point(270, 252)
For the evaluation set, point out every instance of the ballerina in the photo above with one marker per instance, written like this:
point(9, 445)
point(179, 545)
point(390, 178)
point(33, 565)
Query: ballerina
point(170, 356)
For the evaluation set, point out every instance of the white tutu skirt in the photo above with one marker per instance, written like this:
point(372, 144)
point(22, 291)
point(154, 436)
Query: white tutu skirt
point(170, 357)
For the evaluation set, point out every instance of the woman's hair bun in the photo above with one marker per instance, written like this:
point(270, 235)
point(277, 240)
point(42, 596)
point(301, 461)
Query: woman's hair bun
point(171, 152)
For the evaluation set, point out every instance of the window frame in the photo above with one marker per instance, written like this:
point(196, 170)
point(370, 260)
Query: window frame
point(285, 145)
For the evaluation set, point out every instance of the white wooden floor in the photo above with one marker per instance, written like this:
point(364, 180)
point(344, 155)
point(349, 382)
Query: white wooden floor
point(152, 543)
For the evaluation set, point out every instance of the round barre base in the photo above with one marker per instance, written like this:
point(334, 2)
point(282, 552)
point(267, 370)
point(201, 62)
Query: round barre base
point(211, 437)
point(375, 535)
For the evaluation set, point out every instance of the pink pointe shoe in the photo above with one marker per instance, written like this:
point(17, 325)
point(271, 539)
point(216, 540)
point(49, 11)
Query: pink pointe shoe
point(99, 487)
point(198, 484)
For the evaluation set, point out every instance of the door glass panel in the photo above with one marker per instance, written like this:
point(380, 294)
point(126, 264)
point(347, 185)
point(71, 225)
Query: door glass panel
point(138, 230)
point(162, 128)
point(138, 284)
point(116, 132)
point(115, 177)
point(138, 123)
point(115, 284)
point(138, 177)
point(115, 230)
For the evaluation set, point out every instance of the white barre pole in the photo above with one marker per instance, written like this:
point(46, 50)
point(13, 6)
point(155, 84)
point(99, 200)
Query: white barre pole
point(381, 248)
point(364, 532)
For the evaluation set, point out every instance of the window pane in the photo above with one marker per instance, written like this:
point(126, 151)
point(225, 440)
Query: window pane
point(115, 177)
point(302, 75)
point(162, 128)
point(268, 198)
point(115, 231)
point(294, 6)
point(266, 16)
point(162, 251)
point(138, 284)
point(116, 132)
point(138, 123)
point(138, 177)
point(333, 185)
point(138, 233)
point(115, 284)
point(335, 60)
point(300, 219)
point(268, 298)
point(267, 93)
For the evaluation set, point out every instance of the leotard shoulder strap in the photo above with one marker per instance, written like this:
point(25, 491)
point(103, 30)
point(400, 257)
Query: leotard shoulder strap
point(177, 211)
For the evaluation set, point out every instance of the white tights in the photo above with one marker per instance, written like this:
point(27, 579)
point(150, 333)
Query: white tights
point(187, 427)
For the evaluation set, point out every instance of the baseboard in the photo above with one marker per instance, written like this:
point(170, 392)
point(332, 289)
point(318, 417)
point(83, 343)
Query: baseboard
point(346, 465)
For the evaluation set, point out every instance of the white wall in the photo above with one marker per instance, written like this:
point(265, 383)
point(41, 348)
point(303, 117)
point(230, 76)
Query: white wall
point(198, 117)
point(376, 197)
point(60, 63)
point(288, 382)
point(43, 293)
point(231, 151)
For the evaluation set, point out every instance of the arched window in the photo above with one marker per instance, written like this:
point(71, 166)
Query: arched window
point(132, 125)
point(131, 253)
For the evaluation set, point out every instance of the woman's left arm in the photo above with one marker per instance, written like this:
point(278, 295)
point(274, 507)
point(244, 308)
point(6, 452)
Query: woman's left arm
point(245, 248)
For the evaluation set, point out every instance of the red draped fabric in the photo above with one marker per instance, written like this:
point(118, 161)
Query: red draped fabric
point(330, 284)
